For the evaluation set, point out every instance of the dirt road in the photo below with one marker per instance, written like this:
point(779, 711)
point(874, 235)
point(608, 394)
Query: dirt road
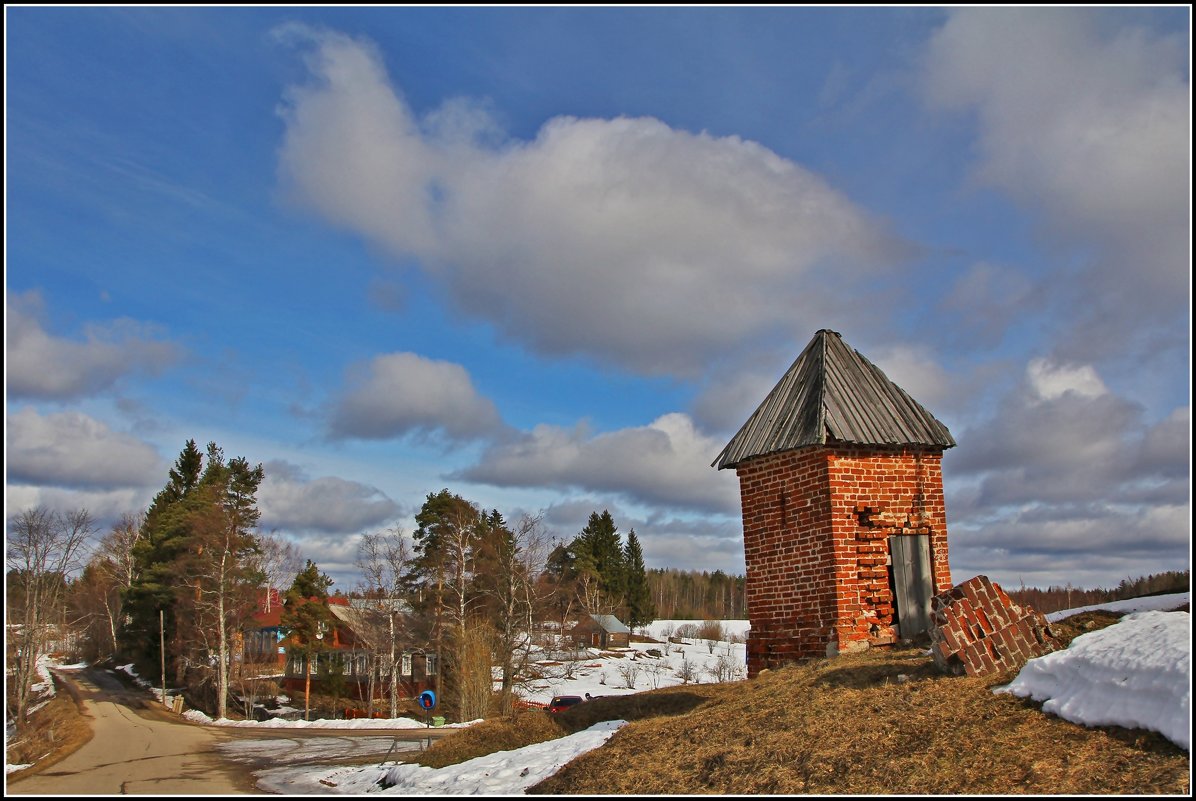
point(139, 748)
point(136, 749)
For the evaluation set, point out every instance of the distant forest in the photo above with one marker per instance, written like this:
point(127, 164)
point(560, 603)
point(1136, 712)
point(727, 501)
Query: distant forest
point(694, 595)
point(1054, 599)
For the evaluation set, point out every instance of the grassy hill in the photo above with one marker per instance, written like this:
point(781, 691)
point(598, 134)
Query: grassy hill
point(881, 722)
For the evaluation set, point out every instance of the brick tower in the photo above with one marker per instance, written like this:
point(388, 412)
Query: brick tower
point(844, 521)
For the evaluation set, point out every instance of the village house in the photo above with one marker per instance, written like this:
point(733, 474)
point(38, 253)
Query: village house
point(347, 653)
point(601, 631)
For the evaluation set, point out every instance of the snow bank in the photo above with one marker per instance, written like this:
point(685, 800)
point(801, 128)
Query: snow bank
point(1136, 673)
point(1152, 602)
point(502, 773)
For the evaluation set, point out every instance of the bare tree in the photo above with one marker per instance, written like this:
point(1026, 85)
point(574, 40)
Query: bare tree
point(630, 672)
point(687, 671)
point(278, 560)
point(514, 561)
point(99, 594)
point(383, 559)
point(43, 548)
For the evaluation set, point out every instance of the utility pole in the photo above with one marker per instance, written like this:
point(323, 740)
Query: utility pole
point(162, 650)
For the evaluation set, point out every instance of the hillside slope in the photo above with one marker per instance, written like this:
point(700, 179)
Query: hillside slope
point(874, 723)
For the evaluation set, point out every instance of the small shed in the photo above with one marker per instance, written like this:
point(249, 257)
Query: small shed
point(601, 631)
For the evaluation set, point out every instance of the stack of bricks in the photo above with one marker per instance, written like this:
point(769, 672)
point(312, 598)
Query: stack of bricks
point(976, 629)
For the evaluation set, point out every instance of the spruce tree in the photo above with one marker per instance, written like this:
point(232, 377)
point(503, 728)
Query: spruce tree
point(164, 540)
point(640, 609)
point(598, 558)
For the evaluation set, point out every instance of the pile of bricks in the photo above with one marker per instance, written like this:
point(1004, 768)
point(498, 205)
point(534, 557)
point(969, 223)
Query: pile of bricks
point(976, 629)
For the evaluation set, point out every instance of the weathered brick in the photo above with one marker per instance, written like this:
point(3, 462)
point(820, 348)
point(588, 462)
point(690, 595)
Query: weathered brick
point(976, 629)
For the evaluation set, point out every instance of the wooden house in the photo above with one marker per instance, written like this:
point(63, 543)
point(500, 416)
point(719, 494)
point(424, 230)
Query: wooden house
point(601, 631)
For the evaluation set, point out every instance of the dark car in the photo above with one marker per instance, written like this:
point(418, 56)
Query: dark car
point(562, 702)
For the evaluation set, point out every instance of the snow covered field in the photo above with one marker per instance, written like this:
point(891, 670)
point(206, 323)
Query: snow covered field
point(1136, 673)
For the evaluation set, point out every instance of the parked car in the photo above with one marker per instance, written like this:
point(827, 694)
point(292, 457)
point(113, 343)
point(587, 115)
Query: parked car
point(562, 702)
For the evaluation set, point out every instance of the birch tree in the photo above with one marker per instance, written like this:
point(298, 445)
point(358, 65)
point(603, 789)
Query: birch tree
point(383, 558)
point(42, 549)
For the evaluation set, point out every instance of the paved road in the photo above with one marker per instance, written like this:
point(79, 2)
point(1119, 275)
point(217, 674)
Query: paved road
point(139, 747)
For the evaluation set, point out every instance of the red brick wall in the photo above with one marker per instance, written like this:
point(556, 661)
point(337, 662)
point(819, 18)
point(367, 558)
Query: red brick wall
point(816, 523)
point(790, 560)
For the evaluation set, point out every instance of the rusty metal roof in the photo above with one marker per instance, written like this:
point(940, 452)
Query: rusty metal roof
point(832, 394)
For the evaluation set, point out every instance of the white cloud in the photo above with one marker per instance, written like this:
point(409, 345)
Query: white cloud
point(292, 502)
point(72, 450)
point(622, 239)
point(1089, 545)
point(916, 370)
point(666, 463)
point(403, 393)
point(1049, 381)
point(39, 365)
point(105, 506)
point(1088, 126)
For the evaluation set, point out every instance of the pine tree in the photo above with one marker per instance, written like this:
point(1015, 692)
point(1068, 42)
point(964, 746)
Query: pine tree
point(640, 609)
point(306, 621)
point(191, 565)
point(163, 541)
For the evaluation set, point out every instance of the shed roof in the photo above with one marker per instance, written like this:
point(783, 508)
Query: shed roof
point(611, 624)
point(831, 393)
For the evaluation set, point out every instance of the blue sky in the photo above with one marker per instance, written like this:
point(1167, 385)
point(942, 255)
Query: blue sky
point(551, 259)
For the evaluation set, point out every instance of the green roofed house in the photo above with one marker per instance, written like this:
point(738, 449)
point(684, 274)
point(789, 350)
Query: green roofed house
point(601, 631)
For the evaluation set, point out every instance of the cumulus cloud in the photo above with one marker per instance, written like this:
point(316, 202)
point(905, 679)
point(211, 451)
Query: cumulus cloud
point(396, 394)
point(1062, 437)
point(72, 450)
point(1066, 475)
point(1049, 380)
point(1088, 126)
point(665, 463)
point(292, 502)
point(1092, 546)
point(622, 239)
point(105, 506)
point(40, 365)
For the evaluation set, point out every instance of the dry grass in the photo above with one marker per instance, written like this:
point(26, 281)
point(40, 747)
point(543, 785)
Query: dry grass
point(56, 730)
point(852, 725)
point(882, 722)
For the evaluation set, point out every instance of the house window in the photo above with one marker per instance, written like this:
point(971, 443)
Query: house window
point(405, 668)
point(430, 664)
point(362, 665)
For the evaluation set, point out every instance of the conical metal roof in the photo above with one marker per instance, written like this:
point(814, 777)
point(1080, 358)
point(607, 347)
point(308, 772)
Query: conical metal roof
point(833, 394)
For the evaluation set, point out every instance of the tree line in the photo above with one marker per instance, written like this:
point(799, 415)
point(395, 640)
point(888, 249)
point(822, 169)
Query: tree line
point(1056, 598)
point(174, 588)
point(698, 595)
